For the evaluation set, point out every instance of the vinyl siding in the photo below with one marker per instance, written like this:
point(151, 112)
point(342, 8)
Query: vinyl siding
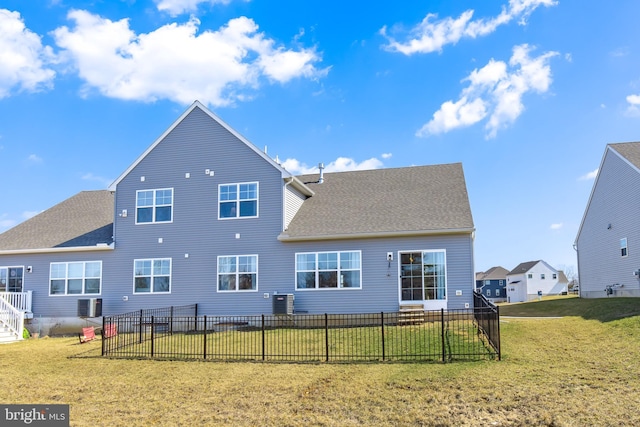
point(196, 237)
point(380, 282)
point(38, 280)
point(615, 200)
point(293, 200)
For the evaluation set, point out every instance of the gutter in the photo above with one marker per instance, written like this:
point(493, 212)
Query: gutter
point(98, 247)
point(283, 237)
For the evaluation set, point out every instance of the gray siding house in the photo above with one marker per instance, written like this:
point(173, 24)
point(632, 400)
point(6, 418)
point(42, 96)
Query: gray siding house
point(608, 237)
point(203, 216)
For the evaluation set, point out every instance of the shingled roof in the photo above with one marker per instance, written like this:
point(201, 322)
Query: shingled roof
point(85, 219)
point(398, 201)
point(523, 267)
point(630, 151)
point(494, 273)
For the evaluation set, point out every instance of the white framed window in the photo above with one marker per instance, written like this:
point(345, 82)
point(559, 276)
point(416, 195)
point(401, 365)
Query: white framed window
point(555, 276)
point(75, 278)
point(237, 273)
point(530, 276)
point(542, 276)
point(623, 247)
point(329, 270)
point(154, 206)
point(152, 276)
point(11, 279)
point(487, 282)
point(488, 292)
point(238, 200)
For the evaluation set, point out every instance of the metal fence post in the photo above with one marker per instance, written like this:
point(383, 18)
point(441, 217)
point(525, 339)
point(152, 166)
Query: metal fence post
point(140, 326)
point(103, 341)
point(497, 339)
point(171, 321)
point(262, 326)
point(444, 349)
point(152, 328)
point(326, 336)
point(205, 337)
point(382, 331)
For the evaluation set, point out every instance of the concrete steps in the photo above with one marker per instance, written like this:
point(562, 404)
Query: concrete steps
point(411, 314)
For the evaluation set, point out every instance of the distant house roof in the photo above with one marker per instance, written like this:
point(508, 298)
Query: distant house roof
point(526, 266)
point(523, 267)
point(85, 219)
point(398, 201)
point(494, 273)
point(629, 150)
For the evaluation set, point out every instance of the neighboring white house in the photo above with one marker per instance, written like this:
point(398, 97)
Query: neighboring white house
point(607, 241)
point(532, 279)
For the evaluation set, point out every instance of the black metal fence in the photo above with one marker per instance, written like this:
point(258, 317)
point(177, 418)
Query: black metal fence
point(487, 316)
point(428, 336)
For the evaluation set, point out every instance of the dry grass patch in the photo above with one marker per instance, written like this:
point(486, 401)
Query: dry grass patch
point(559, 372)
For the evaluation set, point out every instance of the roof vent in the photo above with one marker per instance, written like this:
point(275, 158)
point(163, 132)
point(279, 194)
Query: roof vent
point(321, 178)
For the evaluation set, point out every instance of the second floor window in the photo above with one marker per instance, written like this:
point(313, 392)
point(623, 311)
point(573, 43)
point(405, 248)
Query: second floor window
point(623, 247)
point(238, 200)
point(154, 206)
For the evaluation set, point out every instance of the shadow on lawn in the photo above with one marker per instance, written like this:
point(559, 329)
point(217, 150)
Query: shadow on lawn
point(602, 309)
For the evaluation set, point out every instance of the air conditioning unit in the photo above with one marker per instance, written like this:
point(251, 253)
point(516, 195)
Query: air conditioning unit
point(91, 307)
point(283, 304)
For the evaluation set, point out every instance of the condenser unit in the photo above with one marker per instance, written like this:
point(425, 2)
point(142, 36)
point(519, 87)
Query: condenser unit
point(283, 304)
point(91, 307)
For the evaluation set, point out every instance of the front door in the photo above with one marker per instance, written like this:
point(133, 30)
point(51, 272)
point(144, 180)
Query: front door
point(11, 279)
point(423, 279)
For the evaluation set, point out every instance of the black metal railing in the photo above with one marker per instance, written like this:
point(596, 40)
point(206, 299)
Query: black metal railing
point(135, 324)
point(487, 316)
point(428, 336)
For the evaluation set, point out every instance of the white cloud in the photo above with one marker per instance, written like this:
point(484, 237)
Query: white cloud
point(29, 214)
point(23, 59)
point(6, 222)
point(176, 7)
point(386, 155)
point(620, 52)
point(633, 109)
point(341, 164)
point(431, 35)
point(33, 158)
point(494, 91)
point(556, 226)
point(177, 62)
point(589, 176)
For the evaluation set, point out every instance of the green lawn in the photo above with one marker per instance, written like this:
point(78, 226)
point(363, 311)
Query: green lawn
point(579, 370)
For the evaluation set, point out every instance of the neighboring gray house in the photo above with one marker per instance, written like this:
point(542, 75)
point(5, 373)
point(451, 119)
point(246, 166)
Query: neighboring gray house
point(532, 279)
point(608, 237)
point(493, 283)
point(203, 216)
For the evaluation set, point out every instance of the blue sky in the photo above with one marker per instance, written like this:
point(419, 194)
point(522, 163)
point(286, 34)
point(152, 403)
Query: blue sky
point(525, 93)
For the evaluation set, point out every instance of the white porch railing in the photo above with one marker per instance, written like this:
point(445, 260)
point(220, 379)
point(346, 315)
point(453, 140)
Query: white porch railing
point(21, 301)
point(11, 318)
